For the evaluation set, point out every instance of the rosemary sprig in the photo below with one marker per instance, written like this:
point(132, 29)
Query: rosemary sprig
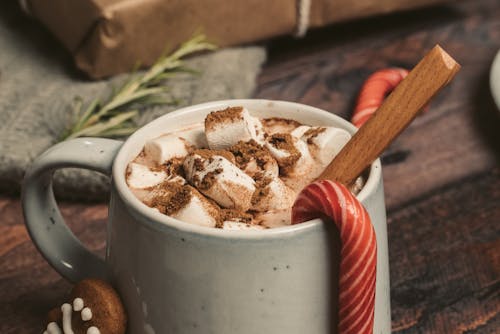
point(113, 117)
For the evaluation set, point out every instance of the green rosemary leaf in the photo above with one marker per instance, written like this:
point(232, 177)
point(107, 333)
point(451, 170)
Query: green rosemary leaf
point(97, 129)
point(86, 115)
point(119, 132)
point(128, 98)
point(77, 105)
point(113, 117)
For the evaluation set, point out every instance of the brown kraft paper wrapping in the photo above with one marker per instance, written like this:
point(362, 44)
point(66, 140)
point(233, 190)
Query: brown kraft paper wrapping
point(107, 37)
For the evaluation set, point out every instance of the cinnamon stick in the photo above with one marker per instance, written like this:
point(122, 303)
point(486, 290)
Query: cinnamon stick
point(399, 109)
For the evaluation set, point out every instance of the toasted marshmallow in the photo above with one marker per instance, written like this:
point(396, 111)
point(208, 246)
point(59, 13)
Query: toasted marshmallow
point(184, 203)
point(141, 177)
point(225, 128)
point(218, 178)
point(272, 194)
point(325, 142)
point(164, 148)
point(293, 157)
point(237, 226)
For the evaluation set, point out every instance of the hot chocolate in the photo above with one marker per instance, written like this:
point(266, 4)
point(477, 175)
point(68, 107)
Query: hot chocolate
point(235, 171)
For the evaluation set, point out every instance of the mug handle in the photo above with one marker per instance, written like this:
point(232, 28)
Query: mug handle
point(42, 217)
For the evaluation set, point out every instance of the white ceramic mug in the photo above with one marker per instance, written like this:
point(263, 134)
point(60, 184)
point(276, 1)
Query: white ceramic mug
point(176, 277)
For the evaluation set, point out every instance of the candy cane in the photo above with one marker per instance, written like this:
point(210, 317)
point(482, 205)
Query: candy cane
point(358, 255)
point(374, 91)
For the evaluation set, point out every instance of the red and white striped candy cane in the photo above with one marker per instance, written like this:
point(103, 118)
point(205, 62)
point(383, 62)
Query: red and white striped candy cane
point(358, 255)
point(374, 90)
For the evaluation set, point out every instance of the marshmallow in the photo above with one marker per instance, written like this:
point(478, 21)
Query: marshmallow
point(299, 131)
point(162, 190)
point(237, 226)
point(227, 127)
point(141, 176)
point(185, 203)
point(269, 168)
point(272, 194)
point(325, 142)
point(198, 211)
point(218, 178)
point(193, 134)
point(167, 147)
point(293, 157)
point(253, 158)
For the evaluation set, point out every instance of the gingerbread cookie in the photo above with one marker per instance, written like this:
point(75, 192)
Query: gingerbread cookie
point(94, 308)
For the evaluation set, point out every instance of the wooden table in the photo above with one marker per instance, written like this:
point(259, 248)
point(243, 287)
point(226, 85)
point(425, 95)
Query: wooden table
point(442, 176)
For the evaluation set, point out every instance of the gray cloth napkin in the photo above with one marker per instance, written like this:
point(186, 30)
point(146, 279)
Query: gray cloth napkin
point(38, 85)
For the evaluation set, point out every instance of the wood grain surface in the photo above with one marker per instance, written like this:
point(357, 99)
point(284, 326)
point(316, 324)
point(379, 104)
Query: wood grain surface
point(442, 175)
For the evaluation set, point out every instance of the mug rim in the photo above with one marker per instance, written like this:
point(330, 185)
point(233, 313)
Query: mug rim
point(162, 222)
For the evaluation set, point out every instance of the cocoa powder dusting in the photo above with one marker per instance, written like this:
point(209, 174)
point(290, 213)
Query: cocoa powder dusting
point(244, 152)
point(259, 194)
point(174, 166)
point(216, 118)
point(212, 207)
point(171, 197)
point(235, 215)
point(262, 179)
point(284, 141)
point(208, 154)
point(261, 188)
point(198, 165)
point(209, 179)
point(313, 133)
point(156, 169)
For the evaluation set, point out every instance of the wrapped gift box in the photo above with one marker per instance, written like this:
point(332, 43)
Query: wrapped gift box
point(107, 37)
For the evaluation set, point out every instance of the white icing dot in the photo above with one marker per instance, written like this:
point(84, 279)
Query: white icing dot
point(86, 314)
point(66, 321)
point(78, 304)
point(93, 330)
point(53, 328)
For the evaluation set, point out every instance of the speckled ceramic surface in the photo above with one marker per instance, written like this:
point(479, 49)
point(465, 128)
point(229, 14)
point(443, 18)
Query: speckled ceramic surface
point(182, 278)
